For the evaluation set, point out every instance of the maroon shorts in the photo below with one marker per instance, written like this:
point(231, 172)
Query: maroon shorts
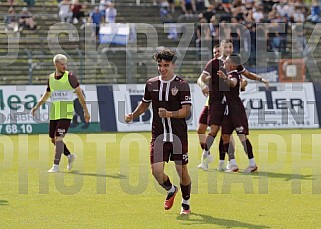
point(203, 116)
point(169, 151)
point(58, 127)
point(215, 113)
point(238, 123)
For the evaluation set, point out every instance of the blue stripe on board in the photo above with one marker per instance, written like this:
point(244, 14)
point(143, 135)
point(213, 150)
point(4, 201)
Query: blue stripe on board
point(106, 108)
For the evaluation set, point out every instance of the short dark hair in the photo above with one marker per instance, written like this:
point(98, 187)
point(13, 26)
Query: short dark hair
point(165, 54)
point(236, 59)
point(216, 46)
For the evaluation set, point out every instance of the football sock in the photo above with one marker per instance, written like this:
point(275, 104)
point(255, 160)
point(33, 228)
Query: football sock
point(185, 201)
point(186, 191)
point(167, 185)
point(232, 162)
point(209, 141)
point(66, 150)
point(59, 150)
point(252, 162)
point(205, 153)
point(222, 151)
point(230, 150)
point(248, 148)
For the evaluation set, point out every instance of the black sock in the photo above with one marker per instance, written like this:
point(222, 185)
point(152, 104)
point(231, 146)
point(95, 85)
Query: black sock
point(167, 185)
point(248, 148)
point(186, 191)
point(203, 145)
point(222, 151)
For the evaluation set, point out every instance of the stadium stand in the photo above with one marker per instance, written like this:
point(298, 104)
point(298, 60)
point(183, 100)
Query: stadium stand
point(26, 55)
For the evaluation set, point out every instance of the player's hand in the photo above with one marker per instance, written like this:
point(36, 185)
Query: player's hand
point(243, 84)
point(163, 113)
point(128, 117)
point(266, 82)
point(87, 116)
point(221, 74)
point(205, 90)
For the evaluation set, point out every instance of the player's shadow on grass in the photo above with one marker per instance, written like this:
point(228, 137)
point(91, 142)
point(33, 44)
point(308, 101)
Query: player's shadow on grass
point(285, 176)
point(115, 176)
point(195, 219)
point(4, 202)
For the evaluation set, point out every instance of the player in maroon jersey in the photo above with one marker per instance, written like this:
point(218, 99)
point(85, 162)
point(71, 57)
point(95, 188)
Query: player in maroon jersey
point(171, 103)
point(235, 116)
point(211, 86)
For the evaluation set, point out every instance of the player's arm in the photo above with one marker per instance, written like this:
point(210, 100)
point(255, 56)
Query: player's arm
point(230, 81)
point(82, 103)
point(202, 81)
point(41, 101)
point(243, 84)
point(140, 109)
point(181, 113)
point(256, 77)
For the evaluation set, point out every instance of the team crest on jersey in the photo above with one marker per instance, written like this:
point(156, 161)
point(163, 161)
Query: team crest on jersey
point(174, 91)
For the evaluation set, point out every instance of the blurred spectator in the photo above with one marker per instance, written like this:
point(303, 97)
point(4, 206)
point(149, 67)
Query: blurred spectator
point(213, 31)
point(11, 2)
point(188, 7)
point(65, 13)
point(258, 15)
point(315, 12)
point(11, 20)
point(298, 15)
point(30, 2)
point(200, 5)
point(103, 6)
point(110, 13)
point(203, 35)
point(300, 40)
point(208, 13)
point(96, 18)
point(26, 20)
point(166, 17)
point(171, 5)
point(77, 11)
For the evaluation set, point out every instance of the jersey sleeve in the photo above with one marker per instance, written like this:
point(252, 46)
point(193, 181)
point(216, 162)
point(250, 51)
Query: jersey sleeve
point(147, 98)
point(240, 69)
point(73, 80)
point(208, 69)
point(185, 94)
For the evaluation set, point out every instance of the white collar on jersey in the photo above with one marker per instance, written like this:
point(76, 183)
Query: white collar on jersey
point(231, 72)
point(166, 81)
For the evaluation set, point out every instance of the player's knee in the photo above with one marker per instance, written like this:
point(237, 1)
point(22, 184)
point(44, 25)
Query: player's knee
point(226, 138)
point(59, 138)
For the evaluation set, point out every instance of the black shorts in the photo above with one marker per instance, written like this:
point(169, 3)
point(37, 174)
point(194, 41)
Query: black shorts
point(58, 127)
point(203, 116)
point(169, 151)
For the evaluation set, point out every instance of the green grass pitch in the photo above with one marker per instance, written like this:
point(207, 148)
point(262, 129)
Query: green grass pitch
point(111, 185)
